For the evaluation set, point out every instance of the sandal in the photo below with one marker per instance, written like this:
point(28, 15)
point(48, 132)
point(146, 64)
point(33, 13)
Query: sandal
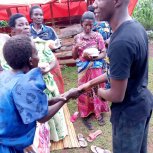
point(87, 123)
point(93, 136)
point(74, 117)
point(82, 141)
point(95, 149)
point(101, 121)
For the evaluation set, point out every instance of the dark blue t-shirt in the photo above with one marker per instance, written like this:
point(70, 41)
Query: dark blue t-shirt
point(128, 55)
point(47, 33)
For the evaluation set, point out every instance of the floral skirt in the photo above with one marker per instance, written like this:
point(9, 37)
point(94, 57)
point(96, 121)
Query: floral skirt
point(58, 127)
point(89, 102)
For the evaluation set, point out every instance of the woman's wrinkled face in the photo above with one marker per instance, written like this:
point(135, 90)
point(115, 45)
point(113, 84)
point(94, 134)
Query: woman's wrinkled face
point(37, 16)
point(21, 27)
point(87, 25)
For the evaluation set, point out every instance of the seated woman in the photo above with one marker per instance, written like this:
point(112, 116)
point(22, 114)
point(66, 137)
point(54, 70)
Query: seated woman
point(23, 101)
point(89, 67)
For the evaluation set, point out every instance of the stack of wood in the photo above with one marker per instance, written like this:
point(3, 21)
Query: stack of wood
point(64, 54)
point(70, 141)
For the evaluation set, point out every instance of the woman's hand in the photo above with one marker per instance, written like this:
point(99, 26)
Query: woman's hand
point(55, 100)
point(51, 46)
point(72, 93)
point(46, 67)
point(45, 70)
point(84, 87)
point(29, 149)
point(101, 56)
point(54, 44)
point(87, 56)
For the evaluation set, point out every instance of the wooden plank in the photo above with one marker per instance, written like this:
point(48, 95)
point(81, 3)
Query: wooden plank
point(67, 61)
point(67, 42)
point(66, 48)
point(70, 31)
point(72, 134)
point(69, 141)
point(64, 54)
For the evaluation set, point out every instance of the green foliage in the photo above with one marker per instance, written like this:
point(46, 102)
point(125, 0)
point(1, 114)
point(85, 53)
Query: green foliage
point(144, 13)
point(3, 23)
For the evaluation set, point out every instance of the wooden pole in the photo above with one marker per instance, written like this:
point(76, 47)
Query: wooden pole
point(68, 4)
point(52, 16)
point(17, 9)
point(9, 13)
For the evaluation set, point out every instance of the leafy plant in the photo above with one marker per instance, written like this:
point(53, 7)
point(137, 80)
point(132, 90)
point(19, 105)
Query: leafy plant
point(3, 23)
point(144, 13)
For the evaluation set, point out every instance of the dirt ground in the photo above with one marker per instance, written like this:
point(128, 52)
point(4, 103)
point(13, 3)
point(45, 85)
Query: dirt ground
point(151, 48)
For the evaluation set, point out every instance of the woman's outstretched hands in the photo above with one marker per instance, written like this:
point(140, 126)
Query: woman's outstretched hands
point(55, 100)
point(72, 93)
point(84, 87)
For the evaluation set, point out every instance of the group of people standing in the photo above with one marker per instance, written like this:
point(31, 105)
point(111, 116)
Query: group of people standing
point(30, 94)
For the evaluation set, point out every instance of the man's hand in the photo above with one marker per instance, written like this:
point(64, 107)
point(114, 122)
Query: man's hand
point(101, 92)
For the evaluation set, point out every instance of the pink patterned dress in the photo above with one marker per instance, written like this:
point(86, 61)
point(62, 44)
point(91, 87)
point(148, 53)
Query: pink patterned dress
point(89, 102)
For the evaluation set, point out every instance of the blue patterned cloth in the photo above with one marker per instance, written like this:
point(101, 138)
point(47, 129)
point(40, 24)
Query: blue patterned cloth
point(22, 103)
point(82, 65)
point(103, 28)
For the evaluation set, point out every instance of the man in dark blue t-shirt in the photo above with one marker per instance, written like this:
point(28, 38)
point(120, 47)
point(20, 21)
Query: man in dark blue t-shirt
point(132, 102)
point(128, 54)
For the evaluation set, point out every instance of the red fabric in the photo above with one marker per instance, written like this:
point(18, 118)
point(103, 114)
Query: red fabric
point(132, 5)
point(59, 10)
point(57, 74)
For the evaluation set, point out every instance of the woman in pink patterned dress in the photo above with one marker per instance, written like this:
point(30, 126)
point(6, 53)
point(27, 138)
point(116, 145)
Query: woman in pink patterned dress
point(90, 67)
